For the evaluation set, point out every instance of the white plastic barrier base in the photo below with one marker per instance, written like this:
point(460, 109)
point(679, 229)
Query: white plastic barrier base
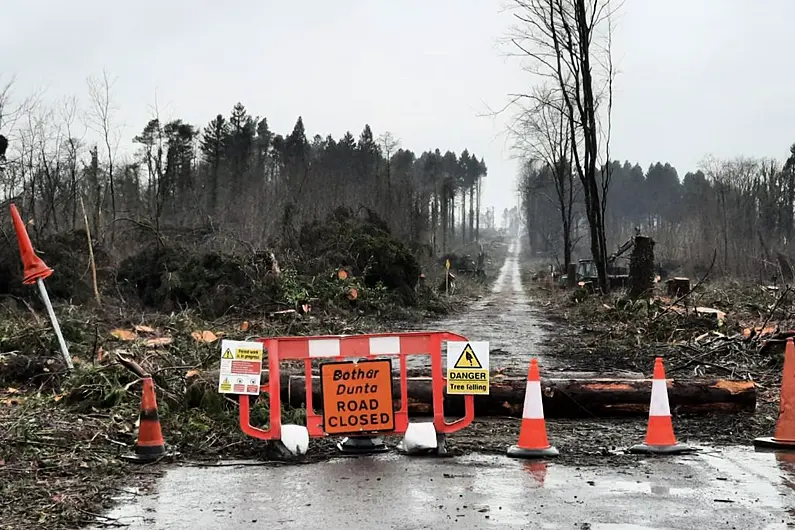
point(419, 438)
point(295, 439)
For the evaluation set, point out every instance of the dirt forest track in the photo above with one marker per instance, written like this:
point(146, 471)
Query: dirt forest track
point(504, 318)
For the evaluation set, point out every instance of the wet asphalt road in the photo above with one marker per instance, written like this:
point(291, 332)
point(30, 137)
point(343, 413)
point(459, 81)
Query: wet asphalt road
point(734, 489)
point(504, 318)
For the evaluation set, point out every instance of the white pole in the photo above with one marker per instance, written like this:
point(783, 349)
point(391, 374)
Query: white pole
point(46, 298)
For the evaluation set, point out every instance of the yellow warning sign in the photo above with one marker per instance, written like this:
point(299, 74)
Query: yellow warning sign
point(241, 367)
point(244, 354)
point(468, 368)
point(468, 359)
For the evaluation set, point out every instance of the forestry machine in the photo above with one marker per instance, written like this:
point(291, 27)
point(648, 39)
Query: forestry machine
point(617, 276)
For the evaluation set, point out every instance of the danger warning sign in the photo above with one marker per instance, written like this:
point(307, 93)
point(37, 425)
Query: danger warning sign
point(357, 397)
point(468, 368)
point(468, 359)
point(241, 367)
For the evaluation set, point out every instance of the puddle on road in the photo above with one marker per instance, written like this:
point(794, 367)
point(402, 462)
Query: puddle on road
point(733, 488)
point(504, 318)
point(620, 526)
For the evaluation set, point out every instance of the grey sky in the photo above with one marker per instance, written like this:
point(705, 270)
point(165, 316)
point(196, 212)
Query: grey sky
point(697, 76)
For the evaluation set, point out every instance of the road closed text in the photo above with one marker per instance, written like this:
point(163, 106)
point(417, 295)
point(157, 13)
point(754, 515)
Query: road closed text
point(357, 397)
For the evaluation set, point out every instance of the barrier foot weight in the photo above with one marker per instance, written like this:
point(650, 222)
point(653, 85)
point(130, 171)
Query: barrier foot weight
point(770, 442)
point(441, 447)
point(359, 445)
point(675, 449)
point(515, 451)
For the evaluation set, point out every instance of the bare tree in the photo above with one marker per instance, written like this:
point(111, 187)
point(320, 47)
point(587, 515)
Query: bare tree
point(72, 145)
point(541, 132)
point(10, 114)
point(100, 120)
point(563, 41)
point(389, 144)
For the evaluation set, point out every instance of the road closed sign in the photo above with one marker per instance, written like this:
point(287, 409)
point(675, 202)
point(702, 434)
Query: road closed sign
point(468, 368)
point(357, 397)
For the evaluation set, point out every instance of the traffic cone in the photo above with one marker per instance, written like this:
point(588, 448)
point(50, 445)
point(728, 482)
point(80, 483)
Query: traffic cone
point(35, 268)
point(533, 442)
point(150, 445)
point(784, 437)
point(660, 437)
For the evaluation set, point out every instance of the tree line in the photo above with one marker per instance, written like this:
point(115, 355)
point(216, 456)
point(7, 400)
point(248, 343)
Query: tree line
point(739, 213)
point(234, 174)
point(736, 216)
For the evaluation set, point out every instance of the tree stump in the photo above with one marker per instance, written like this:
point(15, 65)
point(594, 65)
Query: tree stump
point(641, 267)
point(678, 287)
point(571, 275)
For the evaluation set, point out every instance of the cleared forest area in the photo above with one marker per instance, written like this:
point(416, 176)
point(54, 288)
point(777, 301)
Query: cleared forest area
point(197, 234)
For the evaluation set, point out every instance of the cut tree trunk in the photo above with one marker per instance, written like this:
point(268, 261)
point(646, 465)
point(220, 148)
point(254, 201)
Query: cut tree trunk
point(565, 395)
point(641, 267)
point(571, 275)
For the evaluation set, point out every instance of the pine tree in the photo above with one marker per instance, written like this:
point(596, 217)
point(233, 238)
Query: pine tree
point(213, 148)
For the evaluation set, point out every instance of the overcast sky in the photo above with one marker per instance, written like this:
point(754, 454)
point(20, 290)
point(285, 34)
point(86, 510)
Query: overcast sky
point(697, 76)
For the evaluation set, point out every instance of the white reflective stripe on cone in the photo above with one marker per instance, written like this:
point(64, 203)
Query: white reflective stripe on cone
point(659, 399)
point(324, 348)
point(384, 345)
point(533, 408)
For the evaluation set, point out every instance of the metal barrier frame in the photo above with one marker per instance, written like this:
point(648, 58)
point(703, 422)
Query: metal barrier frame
point(346, 348)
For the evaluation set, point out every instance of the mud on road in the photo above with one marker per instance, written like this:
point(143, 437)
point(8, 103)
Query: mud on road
point(504, 317)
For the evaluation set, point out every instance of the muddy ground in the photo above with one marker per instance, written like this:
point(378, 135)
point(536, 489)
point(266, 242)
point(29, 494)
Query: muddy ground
point(63, 438)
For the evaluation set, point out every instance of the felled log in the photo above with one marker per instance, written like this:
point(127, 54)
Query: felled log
point(565, 397)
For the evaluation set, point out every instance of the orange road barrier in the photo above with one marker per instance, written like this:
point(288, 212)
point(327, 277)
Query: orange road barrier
point(660, 437)
point(533, 442)
point(150, 445)
point(356, 378)
point(36, 271)
point(784, 436)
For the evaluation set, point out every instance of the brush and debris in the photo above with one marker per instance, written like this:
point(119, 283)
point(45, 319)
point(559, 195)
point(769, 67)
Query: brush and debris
point(166, 307)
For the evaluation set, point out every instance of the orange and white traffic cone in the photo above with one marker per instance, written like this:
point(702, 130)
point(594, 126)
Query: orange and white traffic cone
point(660, 437)
point(784, 436)
point(533, 442)
point(150, 445)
